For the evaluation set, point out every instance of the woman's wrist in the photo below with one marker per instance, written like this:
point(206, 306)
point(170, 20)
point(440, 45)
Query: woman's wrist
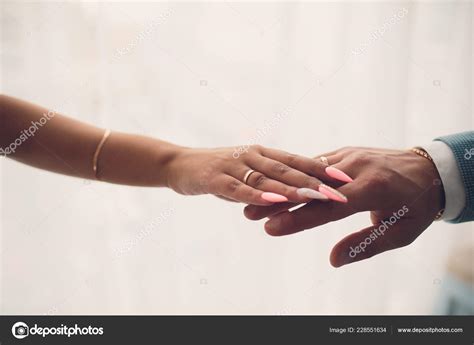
point(170, 164)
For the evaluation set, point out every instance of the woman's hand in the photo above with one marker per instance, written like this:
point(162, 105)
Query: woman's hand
point(222, 172)
point(402, 190)
point(70, 147)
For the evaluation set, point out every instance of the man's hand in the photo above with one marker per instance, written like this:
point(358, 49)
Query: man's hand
point(402, 190)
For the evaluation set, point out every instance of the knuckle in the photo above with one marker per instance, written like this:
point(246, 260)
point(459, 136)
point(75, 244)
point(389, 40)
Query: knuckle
point(309, 181)
point(205, 177)
point(256, 147)
point(347, 149)
point(314, 181)
point(280, 168)
point(291, 158)
point(288, 191)
point(379, 181)
point(359, 157)
point(259, 179)
point(233, 186)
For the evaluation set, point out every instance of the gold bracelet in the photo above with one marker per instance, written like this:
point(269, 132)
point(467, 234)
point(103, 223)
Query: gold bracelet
point(97, 153)
point(421, 152)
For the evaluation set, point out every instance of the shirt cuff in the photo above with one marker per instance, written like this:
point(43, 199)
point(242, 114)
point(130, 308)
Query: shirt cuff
point(445, 162)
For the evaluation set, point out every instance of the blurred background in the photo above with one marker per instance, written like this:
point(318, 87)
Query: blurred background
point(306, 77)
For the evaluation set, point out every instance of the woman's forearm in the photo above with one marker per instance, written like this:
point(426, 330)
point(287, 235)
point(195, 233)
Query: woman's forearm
point(137, 160)
point(250, 173)
point(39, 137)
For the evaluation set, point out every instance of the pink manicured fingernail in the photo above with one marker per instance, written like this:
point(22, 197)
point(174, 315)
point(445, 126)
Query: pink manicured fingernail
point(273, 197)
point(338, 174)
point(332, 194)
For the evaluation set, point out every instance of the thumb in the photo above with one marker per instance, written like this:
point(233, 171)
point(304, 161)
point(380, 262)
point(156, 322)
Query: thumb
point(374, 240)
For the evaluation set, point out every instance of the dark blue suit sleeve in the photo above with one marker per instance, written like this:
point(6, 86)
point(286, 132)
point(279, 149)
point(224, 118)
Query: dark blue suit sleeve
point(462, 145)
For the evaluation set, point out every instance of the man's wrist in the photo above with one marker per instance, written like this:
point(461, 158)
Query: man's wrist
point(450, 176)
point(437, 184)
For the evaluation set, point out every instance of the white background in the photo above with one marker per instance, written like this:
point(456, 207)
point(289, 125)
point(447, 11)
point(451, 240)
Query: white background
point(208, 75)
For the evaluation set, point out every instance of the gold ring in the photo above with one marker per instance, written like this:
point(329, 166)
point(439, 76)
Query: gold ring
point(324, 160)
point(247, 175)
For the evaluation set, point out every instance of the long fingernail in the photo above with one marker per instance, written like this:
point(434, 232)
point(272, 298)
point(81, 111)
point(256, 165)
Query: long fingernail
point(273, 197)
point(311, 194)
point(338, 174)
point(332, 194)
